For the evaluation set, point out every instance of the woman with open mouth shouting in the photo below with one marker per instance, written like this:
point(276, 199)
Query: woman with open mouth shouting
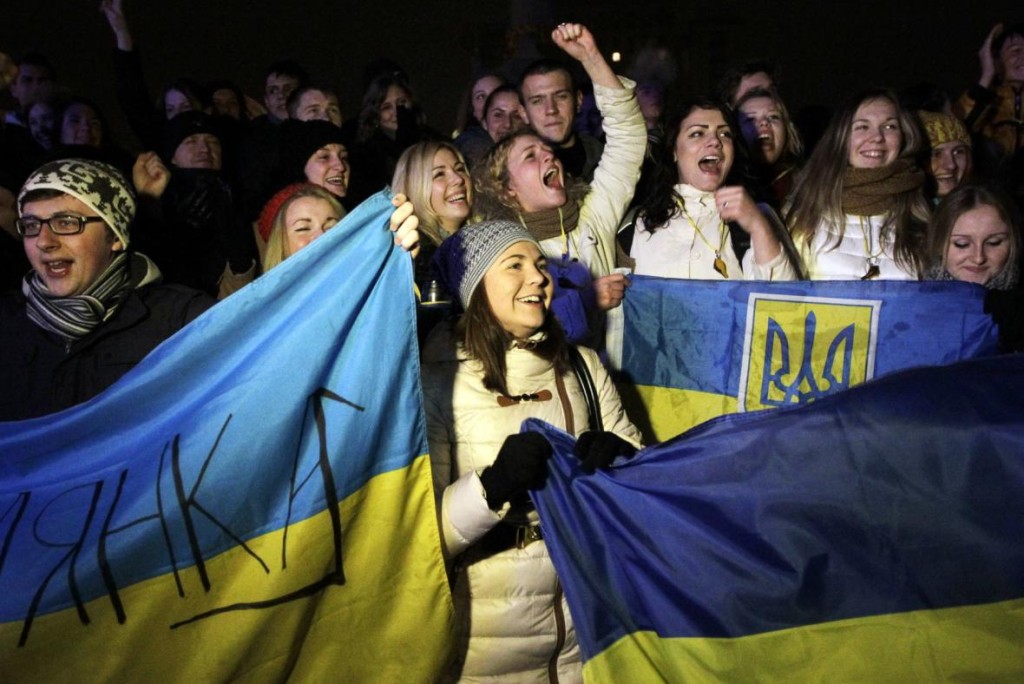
point(696, 223)
point(521, 179)
point(858, 210)
point(775, 148)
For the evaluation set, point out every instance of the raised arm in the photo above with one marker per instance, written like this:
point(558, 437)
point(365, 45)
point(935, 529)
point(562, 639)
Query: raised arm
point(578, 42)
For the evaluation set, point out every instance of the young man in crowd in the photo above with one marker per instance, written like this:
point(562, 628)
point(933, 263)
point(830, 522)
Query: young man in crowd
point(552, 101)
point(91, 308)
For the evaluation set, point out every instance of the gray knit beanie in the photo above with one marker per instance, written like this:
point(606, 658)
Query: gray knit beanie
point(99, 186)
point(462, 259)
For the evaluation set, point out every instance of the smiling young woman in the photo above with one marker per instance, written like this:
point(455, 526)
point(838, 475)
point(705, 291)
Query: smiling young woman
point(434, 176)
point(507, 360)
point(858, 210)
point(975, 236)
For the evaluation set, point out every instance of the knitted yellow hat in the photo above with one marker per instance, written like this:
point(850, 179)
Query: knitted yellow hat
point(943, 128)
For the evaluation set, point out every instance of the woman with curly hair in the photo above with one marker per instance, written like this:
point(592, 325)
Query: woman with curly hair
point(522, 179)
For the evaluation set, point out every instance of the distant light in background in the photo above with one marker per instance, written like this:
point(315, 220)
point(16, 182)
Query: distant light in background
point(616, 56)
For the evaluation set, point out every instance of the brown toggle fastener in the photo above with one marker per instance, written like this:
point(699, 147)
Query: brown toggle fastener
point(504, 400)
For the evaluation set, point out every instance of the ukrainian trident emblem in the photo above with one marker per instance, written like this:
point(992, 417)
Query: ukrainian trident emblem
point(798, 349)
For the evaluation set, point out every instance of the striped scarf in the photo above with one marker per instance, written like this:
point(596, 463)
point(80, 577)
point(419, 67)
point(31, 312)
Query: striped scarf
point(75, 317)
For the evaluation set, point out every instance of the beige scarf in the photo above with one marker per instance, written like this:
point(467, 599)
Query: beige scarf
point(549, 223)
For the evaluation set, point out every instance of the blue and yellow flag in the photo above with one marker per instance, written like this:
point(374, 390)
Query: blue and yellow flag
point(695, 349)
point(871, 536)
point(252, 502)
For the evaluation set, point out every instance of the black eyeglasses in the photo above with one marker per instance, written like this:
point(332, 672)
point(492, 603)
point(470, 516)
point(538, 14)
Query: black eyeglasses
point(60, 224)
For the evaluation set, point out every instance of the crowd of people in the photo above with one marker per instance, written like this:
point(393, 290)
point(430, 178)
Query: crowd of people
point(528, 225)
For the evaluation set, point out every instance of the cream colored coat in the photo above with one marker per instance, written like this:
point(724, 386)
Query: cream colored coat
point(513, 622)
point(602, 209)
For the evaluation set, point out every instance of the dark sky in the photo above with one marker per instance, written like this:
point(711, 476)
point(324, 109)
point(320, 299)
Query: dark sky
point(826, 50)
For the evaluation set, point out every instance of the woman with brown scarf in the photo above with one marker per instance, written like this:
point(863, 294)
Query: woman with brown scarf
point(858, 210)
point(521, 179)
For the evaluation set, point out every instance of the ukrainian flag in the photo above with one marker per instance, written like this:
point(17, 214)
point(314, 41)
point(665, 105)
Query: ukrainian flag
point(693, 349)
point(871, 536)
point(252, 502)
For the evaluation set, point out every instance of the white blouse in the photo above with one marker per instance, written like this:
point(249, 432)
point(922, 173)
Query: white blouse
point(679, 250)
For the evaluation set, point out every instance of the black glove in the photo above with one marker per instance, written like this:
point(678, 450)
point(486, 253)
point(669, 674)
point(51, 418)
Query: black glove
point(597, 449)
point(520, 465)
point(241, 246)
point(1007, 310)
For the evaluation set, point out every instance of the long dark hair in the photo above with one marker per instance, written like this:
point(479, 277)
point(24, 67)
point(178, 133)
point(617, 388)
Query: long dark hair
point(369, 114)
point(485, 340)
point(661, 203)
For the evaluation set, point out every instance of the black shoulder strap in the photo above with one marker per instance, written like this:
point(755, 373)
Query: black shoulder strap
point(579, 366)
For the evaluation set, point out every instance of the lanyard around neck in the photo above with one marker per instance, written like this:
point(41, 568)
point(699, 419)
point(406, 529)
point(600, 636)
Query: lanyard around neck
point(719, 264)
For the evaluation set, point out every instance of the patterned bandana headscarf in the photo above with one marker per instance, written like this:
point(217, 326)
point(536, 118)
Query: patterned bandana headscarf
point(99, 186)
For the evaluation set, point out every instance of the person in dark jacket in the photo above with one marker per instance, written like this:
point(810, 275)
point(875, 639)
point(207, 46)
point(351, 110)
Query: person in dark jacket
point(90, 309)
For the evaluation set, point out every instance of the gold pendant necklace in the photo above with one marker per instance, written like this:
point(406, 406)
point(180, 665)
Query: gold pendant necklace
point(719, 263)
point(872, 259)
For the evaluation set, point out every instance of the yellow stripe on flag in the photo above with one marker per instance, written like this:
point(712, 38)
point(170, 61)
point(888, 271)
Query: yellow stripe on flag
point(981, 643)
point(662, 412)
point(389, 621)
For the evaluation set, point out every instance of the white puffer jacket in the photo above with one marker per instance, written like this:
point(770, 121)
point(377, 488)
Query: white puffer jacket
point(828, 257)
point(602, 209)
point(513, 622)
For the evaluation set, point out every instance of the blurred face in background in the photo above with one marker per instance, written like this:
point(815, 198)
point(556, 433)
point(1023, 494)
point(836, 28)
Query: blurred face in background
point(949, 165)
point(316, 105)
point(275, 94)
point(479, 93)
point(42, 123)
point(176, 102)
point(758, 79)
point(504, 116)
point(198, 151)
point(81, 125)
point(763, 128)
point(225, 103)
point(395, 97)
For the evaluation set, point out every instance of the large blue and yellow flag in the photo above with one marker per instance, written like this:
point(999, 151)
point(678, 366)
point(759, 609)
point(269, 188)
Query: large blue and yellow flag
point(692, 349)
point(871, 536)
point(252, 502)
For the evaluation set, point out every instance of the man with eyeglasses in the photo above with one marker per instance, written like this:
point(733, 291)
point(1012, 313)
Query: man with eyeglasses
point(91, 308)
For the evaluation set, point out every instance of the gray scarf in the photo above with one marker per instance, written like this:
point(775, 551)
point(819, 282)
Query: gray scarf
point(76, 316)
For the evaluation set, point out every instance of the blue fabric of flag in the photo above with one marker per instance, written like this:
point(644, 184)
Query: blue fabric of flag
point(217, 436)
point(902, 494)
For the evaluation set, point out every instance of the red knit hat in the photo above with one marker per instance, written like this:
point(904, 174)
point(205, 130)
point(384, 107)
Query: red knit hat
point(270, 209)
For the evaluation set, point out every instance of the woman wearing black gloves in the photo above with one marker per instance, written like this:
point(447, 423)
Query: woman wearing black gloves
point(507, 361)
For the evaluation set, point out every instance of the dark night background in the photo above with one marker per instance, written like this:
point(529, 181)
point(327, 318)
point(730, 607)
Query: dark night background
point(825, 50)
